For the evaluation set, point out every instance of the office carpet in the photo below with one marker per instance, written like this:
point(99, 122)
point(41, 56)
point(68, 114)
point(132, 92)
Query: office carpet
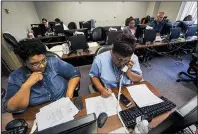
point(162, 75)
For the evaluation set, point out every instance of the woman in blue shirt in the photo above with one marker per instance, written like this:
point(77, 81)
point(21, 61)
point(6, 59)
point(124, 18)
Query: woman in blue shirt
point(106, 68)
point(41, 79)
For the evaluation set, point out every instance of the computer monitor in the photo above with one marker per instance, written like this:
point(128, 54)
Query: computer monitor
point(140, 30)
point(175, 33)
point(111, 37)
point(59, 29)
point(85, 24)
point(191, 30)
point(149, 35)
point(84, 125)
point(78, 42)
point(166, 28)
point(38, 29)
point(52, 26)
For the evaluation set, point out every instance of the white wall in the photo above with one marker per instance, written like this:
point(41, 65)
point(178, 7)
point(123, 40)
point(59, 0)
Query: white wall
point(21, 15)
point(150, 9)
point(170, 9)
point(105, 13)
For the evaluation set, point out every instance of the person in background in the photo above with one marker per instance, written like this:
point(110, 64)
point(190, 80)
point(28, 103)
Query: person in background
point(127, 21)
point(130, 29)
point(158, 23)
point(146, 20)
point(106, 69)
point(46, 23)
point(188, 18)
point(41, 79)
point(58, 21)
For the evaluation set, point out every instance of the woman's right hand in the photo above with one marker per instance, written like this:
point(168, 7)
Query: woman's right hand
point(34, 78)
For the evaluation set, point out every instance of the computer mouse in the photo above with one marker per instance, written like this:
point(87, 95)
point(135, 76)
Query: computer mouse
point(15, 123)
point(102, 118)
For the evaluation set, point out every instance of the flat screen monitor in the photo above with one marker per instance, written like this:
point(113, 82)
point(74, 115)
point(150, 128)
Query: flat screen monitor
point(84, 125)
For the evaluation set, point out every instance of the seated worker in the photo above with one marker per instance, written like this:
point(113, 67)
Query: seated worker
point(127, 21)
point(158, 23)
point(106, 68)
point(130, 29)
point(41, 79)
point(146, 20)
point(58, 21)
point(188, 18)
point(47, 26)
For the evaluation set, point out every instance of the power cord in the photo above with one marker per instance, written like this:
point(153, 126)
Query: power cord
point(118, 102)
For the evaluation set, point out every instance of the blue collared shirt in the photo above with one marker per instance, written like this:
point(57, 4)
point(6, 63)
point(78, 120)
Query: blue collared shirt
point(157, 26)
point(51, 88)
point(108, 73)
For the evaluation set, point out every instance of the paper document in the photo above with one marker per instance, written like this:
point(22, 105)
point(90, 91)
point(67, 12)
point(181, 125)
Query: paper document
point(52, 118)
point(93, 44)
point(60, 111)
point(143, 96)
point(99, 104)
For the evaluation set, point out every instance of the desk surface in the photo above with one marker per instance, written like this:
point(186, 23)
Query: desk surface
point(92, 51)
point(111, 124)
point(138, 46)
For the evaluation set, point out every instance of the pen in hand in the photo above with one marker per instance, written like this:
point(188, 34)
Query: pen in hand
point(108, 89)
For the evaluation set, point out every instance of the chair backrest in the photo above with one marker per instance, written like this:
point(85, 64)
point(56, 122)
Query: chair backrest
point(10, 39)
point(98, 34)
point(51, 54)
point(103, 49)
point(72, 25)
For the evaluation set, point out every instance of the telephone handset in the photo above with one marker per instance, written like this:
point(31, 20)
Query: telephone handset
point(125, 68)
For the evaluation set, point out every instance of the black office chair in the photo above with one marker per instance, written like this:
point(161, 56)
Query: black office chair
point(92, 88)
point(99, 35)
point(72, 25)
point(11, 40)
point(192, 70)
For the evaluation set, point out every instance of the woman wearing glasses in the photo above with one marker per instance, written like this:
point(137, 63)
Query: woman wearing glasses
point(41, 79)
point(106, 68)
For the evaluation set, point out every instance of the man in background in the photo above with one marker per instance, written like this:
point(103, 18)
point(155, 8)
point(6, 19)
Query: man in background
point(158, 23)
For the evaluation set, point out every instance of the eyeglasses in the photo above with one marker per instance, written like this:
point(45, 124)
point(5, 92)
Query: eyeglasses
point(44, 61)
point(120, 60)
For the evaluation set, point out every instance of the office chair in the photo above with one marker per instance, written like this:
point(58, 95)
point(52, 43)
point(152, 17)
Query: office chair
point(72, 25)
point(192, 70)
point(11, 40)
point(92, 88)
point(99, 35)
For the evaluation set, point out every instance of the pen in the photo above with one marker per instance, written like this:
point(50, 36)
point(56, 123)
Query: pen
point(107, 87)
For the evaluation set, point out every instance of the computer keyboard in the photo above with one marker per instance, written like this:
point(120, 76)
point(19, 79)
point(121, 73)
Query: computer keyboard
point(129, 115)
point(17, 130)
point(157, 109)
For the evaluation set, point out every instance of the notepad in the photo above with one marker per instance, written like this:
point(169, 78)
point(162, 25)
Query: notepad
point(143, 96)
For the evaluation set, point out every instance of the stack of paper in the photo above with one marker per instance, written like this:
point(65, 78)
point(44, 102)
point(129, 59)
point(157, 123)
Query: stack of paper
point(99, 104)
point(60, 111)
point(143, 96)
